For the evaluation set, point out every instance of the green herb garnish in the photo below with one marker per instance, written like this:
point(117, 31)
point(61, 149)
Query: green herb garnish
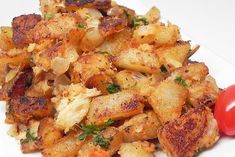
point(163, 69)
point(81, 26)
point(101, 141)
point(113, 88)
point(137, 21)
point(48, 16)
point(181, 81)
point(29, 137)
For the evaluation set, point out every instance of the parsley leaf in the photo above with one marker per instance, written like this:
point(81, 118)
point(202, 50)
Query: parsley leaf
point(137, 21)
point(29, 137)
point(81, 26)
point(163, 69)
point(48, 16)
point(181, 81)
point(101, 141)
point(113, 88)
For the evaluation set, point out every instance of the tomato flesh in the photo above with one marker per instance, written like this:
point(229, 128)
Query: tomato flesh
point(225, 111)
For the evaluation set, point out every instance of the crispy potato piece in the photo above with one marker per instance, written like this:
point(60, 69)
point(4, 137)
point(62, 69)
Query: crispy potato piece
point(195, 130)
point(21, 25)
point(174, 56)
point(68, 146)
point(48, 134)
point(90, 65)
point(21, 59)
point(134, 80)
point(111, 25)
point(6, 35)
point(29, 147)
point(153, 15)
point(203, 93)
point(168, 100)
point(116, 106)
point(134, 59)
point(24, 109)
point(136, 149)
point(141, 127)
point(190, 73)
point(51, 6)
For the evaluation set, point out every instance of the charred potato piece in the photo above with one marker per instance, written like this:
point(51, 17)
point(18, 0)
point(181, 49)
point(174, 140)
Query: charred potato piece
point(6, 36)
point(48, 133)
point(195, 130)
point(141, 127)
point(68, 146)
point(115, 106)
point(203, 93)
point(24, 109)
point(134, 59)
point(21, 26)
point(168, 100)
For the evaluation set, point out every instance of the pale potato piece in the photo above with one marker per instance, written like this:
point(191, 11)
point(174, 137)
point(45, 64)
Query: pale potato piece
point(134, 59)
point(168, 100)
point(153, 15)
point(115, 106)
point(174, 56)
point(135, 149)
point(141, 127)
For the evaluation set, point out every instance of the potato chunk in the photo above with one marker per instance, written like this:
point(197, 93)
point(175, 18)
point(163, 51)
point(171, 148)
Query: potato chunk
point(168, 100)
point(6, 36)
point(115, 106)
point(134, 59)
point(141, 127)
point(195, 130)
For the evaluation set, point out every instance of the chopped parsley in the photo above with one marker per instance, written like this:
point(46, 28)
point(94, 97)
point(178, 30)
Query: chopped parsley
point(137, 21)
point(163, 69)
point(104, 53)
point(81, 26)
point(48, 16)
point(126, 13)
point(113, 88)
point(181, 81)
point(29, 137)
point(93, 129)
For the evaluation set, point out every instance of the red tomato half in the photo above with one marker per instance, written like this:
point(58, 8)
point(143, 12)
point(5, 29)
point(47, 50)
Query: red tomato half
point(225, 111)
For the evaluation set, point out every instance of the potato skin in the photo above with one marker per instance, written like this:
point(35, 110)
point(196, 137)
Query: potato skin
point(141, 127)
point(48, 134)
point(115, 106)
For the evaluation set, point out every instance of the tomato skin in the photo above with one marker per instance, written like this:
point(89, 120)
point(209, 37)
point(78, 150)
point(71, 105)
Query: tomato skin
point(225, 111)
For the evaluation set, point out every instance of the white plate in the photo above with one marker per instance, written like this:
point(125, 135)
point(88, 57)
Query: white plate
point(223, 72)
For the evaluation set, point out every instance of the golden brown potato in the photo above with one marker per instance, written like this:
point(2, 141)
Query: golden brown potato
point(190, 73)
point(48, 134)
point(68, 146)
point(168, 100)
point(136, 149)
point(203, 93)
point(115, 106)
point(153, 15)
point(141, 127)
point(6, 36)
point(173, 56)
point(29, 147)
point(134, 59)
point(51, 7)
point(195, 130)
point(90, 65)
point(21, 59)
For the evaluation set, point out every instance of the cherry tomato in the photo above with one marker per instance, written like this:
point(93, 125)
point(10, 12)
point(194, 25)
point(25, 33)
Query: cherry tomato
point(225, 111)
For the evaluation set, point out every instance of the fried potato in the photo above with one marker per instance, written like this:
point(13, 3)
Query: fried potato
point(51, 7)
point(141, 127)
point(6, 36)
point(195, 130)
point(168, 100)
point(153, 15)
point(115, 106)
point(174, 56)
point(18, 60)
point(136, 149)
point(68, 146)
point(203, 93)
point(134, 59)
point(48, 134)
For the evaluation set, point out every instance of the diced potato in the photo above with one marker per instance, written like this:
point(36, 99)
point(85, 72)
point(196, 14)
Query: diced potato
point(135, 149)
point(21, 59)
point(29, 147)
point(141, 127)
point(190, 73)
point(153, 15)
point(51, 7)
point(68, 146)
point(6, 35)
point(203, 93)
point(168, 100)
point(134, 59)
point(48, 134)
point(115, 106)
point(174, 56)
